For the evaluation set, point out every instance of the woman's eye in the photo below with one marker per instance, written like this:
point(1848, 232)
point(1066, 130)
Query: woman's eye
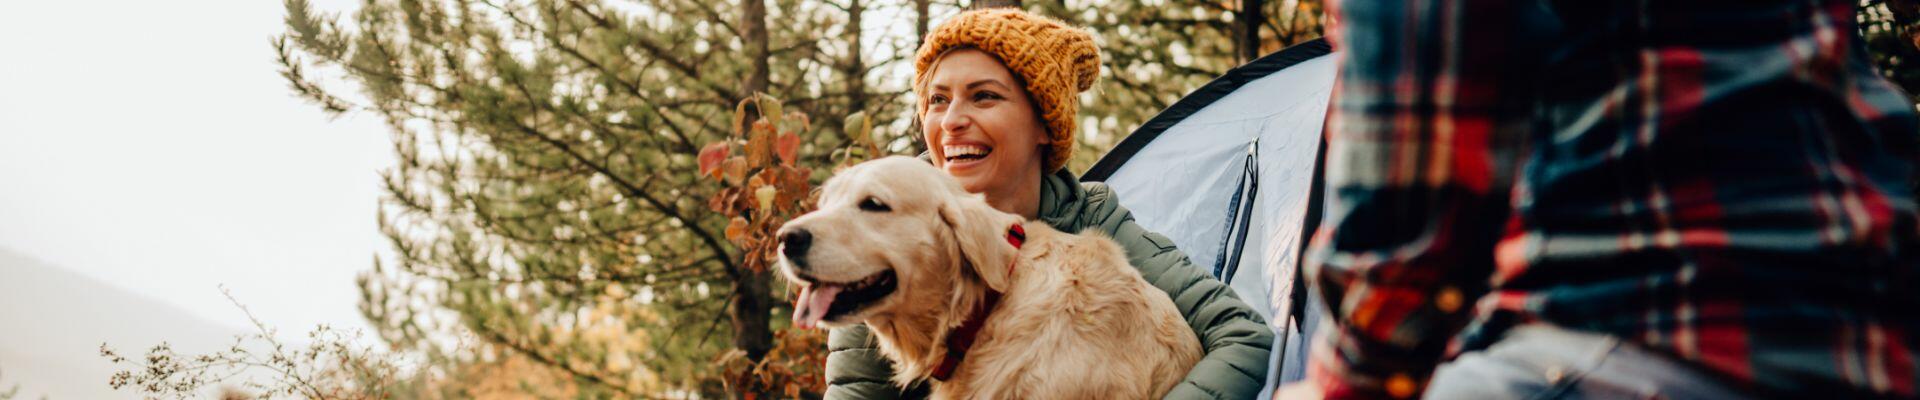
point(937, 100)
point(984, 96)
point(874, 205)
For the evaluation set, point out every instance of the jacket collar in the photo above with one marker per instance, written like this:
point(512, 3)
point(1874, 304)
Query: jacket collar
point(1061, 201)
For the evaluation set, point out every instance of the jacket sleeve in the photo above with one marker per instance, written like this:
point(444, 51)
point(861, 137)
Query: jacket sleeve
point(1235, 337)
point(857, 371)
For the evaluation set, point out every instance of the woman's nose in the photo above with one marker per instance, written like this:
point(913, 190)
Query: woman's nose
point(956, 119)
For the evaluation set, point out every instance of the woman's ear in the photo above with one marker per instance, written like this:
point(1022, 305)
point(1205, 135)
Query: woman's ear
point(1046, 134)
point(981, 232)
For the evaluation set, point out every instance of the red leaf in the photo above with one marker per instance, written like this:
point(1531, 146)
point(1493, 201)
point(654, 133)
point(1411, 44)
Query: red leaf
point(788, 146)
point(736, 229)
point(719, 202)
point(711, 156)
point(734, 169)
point(760, 145)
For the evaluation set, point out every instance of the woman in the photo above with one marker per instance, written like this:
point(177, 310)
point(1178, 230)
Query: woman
point(998, 95)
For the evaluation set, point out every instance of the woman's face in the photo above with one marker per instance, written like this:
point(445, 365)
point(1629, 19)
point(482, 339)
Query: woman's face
point(980, 123)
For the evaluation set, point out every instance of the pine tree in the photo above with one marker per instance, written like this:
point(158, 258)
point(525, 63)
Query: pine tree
point(547, 198)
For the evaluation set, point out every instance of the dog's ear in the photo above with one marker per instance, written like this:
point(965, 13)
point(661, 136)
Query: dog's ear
point(981, 232)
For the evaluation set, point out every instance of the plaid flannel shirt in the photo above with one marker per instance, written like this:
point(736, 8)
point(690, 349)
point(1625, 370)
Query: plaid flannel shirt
point(1725, 182)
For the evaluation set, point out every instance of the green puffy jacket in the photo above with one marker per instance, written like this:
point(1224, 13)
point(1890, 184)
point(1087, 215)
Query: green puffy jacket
point(1236, 338)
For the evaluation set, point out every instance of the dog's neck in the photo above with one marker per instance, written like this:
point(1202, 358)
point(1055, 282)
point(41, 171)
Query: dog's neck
point(917, 341)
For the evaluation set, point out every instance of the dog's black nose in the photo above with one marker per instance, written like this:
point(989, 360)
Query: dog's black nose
point(794, 244)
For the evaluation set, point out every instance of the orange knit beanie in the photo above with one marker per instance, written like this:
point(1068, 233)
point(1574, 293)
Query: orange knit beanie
point(1056, 61)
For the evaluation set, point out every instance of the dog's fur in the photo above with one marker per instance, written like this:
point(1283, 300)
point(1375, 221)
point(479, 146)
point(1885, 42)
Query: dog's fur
point(1076, 320)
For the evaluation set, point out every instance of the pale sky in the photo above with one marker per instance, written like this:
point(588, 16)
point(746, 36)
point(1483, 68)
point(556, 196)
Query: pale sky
point(152, 145)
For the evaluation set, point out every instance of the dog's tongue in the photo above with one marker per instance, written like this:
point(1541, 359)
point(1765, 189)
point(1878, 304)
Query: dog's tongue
point(812, 304)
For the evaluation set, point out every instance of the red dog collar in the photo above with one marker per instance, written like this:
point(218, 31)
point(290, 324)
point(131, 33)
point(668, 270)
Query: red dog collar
point(961, 339)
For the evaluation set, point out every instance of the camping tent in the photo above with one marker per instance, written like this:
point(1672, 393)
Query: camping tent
point(1230, 174)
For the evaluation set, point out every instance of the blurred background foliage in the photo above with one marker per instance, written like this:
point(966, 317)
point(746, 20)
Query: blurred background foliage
point(1892, 40)
point(585, 187)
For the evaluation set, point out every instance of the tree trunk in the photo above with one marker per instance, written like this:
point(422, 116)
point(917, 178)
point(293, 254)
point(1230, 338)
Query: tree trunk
point(984, 4)
point(1247, 30)
point(754, 22)
point(921, 21)
point(856, 64)
point(752, 303)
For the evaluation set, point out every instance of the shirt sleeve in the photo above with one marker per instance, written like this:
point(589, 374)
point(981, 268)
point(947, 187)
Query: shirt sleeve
point(1428, 113)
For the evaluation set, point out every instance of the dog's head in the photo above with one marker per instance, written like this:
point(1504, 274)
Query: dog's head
point(892, 236)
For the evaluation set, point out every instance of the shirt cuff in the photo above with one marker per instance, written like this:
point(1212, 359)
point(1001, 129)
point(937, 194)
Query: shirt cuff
point(1339, 380)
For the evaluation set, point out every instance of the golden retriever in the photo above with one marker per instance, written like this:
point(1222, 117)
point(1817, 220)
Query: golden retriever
point(900, 246)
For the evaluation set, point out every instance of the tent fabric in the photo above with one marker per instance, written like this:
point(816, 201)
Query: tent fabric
point(1228, 173)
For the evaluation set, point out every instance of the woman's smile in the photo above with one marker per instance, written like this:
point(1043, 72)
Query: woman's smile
point(960, 157)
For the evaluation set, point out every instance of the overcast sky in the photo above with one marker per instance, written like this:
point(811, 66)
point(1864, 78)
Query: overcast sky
point(151, 144)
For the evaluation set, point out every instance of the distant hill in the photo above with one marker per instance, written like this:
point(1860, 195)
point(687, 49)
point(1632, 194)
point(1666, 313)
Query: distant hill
point(52, 322)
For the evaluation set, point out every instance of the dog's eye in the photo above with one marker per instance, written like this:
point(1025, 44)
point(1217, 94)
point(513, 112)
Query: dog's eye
point(873, 204)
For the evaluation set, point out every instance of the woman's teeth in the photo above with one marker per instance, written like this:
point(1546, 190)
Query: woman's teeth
point(966, 152)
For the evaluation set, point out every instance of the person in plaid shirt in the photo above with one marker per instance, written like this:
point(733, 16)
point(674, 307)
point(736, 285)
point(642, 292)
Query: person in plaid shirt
point(1652, 198)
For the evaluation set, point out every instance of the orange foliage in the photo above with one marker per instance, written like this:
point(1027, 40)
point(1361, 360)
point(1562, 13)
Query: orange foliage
point(764, 187)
